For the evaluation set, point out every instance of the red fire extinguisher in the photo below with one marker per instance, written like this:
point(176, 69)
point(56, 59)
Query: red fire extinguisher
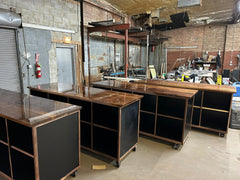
point(38, 67)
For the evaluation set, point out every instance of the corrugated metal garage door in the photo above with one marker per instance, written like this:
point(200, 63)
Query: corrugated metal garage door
point(9, 74)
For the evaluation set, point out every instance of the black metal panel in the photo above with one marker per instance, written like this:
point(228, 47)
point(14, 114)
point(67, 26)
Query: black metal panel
point(101, 87)
point(147, 122)
point(86, 109)
point(129, 127)
point(187, 127)
point(196, 116)
point(169, 128)
point(3, 132)
point(217, 100)
point(86, 134)
point(214, 119)
point(22, 165)
point(105, 141)
point(105, 115)
point(58, 98)
point(121, 91)
point(20, 136)
point(38, 93)
point(4, 160)
point(148, 102)
point(171, 106)
point(236, 74)
point(58, 147)
point(198, 98)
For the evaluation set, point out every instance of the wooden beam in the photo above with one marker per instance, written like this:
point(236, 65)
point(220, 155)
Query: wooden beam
point(109, 28)
point(119, 36)
point(89, 59)
point(126, 52)
point(62, 42)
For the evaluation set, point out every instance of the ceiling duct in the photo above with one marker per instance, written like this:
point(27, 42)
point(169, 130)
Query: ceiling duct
point(236, 12)
point(9, 19)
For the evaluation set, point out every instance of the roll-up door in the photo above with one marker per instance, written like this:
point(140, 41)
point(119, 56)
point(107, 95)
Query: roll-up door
point(9, 73)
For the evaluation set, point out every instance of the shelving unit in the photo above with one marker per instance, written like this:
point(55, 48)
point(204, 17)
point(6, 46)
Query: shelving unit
point(166, 113)
point(36, 136)
point(109, 120)
point(212, 107)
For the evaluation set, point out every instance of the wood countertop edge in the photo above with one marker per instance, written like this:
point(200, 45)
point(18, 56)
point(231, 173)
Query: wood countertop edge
point(87, 99)
point(187, 85)
point(49, 119)
point(193, 93)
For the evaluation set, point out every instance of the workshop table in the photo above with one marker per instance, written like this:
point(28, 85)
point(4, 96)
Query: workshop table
point(39, 138)
point(166, 112)
point(212, 106)
point(109, 120)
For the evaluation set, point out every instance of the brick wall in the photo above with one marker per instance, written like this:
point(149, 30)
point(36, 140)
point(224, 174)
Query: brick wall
point(201, 39)
point(225, 38)
point(232, 47)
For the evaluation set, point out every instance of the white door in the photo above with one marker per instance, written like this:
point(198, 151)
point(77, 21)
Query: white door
point(65, 64)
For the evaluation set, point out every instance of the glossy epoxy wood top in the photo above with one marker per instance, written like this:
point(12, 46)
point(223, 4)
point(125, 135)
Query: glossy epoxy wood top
point(30, 110)
point(97, 95)
point(188, 85)
point(147, 89)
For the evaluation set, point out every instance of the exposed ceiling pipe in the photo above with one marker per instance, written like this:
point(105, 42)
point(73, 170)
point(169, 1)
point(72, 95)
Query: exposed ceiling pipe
point(236, 12)
point(9, 19)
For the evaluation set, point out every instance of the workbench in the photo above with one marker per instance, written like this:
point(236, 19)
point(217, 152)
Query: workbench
point(39, 138)
point(109, 120)
point(212, 107)
point(166, 112)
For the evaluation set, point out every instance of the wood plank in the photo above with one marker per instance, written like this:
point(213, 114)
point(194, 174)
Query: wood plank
point(147, 89)
point(188, 85)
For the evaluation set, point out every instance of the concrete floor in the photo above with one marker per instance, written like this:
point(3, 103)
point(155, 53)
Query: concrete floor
point(204, 156)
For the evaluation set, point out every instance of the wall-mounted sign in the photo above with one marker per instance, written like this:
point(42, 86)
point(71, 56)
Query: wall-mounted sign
point(185, 3)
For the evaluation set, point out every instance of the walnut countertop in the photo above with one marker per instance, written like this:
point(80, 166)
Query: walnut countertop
point(147, 89)
point(30, 110)
point(106, 97)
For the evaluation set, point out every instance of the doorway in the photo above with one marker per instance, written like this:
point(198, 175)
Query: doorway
point(66, 64)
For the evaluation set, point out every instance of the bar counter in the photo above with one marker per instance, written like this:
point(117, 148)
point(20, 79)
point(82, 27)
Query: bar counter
point(166, 112)
point(212, 107)
point(109, 120)
point(32, 130)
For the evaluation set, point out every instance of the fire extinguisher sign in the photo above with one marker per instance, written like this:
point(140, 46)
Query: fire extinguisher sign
point(37, 57)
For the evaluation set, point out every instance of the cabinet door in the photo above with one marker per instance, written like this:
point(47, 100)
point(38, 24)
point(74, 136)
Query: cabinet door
point(105, 141)
point(215, 119)
point(20, 136)
point(22, 165)
point(171, 106)
point(147, 122)
point(169, 128)
point(4, 160)
point(3, 133)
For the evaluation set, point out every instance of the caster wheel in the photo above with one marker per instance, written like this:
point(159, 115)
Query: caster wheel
point(135, 148)
point(221, 134)
point(118, 164)
point(176, 146)
point(73, 174)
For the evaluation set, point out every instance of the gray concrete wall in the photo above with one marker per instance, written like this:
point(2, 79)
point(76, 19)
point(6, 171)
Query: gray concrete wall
point(55, 13)
point(34, 45)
